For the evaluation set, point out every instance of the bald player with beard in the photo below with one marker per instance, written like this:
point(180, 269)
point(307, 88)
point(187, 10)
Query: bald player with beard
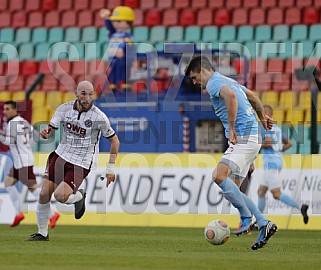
point(83, 124)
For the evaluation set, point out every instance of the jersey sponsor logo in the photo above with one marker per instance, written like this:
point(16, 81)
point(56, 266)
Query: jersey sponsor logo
point(74, 129)
point(88, 123)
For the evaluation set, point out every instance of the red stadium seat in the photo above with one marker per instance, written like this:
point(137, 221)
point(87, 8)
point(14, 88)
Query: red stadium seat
point(81, 5)
point(19, 19)
point(16, 5)
point(263, 81)
point(250, 83)
point(170, 17)
point(165, 4)
point(3, 5)
point(298, 85)
point(304, 3)
point(29, 68)
point(15, 84)
point(97, 67)
point(251, 3)
point(205, 17)
point(233, 3)
point(84, 77)
point(32, 5)
point(187, 17)
point(69, 19)
point(275, 16)
point(48, 5)
point(65, 4)
point(240, 17)
point(62, 67)
point(50, 83)
point(139, 17)
point(29, 80)
point(268, 3)
point(286, 3)
point(111, 4)
point(275, 65)
point(13, 67)
point(257, 16)
point(85, 18)
point(52, 19)
point(199, 3)
point(98, 22)
point(3, 83)
point(97, 4)
point(78, 67)
point(66, 83)
point(222, 17)
point(258, 65)
point(238, 64)
point(152, 18)
point(2, 68)
point(35, 19)
point(311, 16)
point(292, 16)
point(216, 4)
point(5, 19)
point(131, 3)
point(47, 67)
point(147, 4)
point(182, 3)
point(281, 82)
point(312, 62)
point(292, 64)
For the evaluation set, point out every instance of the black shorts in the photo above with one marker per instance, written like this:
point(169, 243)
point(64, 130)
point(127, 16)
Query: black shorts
point(59, 170)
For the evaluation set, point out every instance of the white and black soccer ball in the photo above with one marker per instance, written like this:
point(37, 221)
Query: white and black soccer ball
point(217, 232)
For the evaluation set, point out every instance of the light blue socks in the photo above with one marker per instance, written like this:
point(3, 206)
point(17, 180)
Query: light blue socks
point(260, 219)
point(289, 201)
point(234, 196)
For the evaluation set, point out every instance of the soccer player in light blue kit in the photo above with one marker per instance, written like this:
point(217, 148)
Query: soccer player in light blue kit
point(233, 104)
point(273, 146)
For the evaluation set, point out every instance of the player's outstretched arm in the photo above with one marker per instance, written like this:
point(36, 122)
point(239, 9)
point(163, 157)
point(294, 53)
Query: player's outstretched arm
point(256, 103)
point(110, 172)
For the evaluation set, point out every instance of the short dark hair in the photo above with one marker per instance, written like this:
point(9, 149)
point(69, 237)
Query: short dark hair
point(197, 63)
point(12, 103)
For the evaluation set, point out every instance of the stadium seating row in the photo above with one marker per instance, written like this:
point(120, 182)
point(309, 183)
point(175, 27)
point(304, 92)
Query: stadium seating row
point(263, 41)
point(48, 5)
point(278, 33)
point(147, 4)
point(289, 106)
point(62, 82)
point(168, 17)
point(276, 74)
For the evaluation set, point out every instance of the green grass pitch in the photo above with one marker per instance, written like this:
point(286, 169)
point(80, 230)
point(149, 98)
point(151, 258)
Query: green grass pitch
point(80, 247)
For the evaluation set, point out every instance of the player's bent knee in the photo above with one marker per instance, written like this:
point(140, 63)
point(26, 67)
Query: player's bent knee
point(220, 174)
point(218, 179)
point(60, 197)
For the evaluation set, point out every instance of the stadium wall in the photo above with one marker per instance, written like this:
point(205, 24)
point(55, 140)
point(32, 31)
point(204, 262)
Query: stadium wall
point(175, 190)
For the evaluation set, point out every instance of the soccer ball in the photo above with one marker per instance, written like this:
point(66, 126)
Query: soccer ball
point(217, 232)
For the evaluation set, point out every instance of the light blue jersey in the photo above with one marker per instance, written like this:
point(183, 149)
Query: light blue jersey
point(272, 155)
point(246, 122)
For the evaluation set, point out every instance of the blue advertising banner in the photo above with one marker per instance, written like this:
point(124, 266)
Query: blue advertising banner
point(144, 127)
